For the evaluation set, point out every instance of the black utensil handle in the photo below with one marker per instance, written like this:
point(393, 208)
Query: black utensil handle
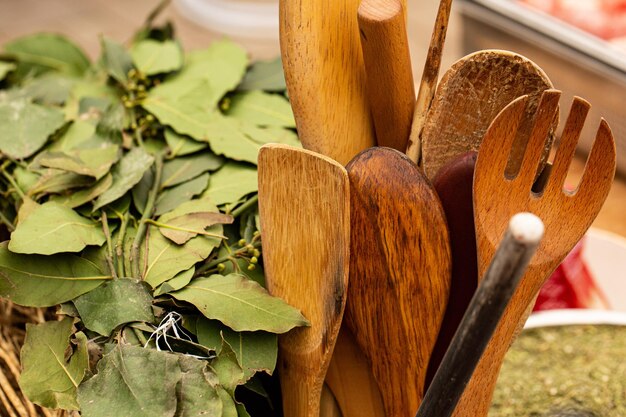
point(483, 314)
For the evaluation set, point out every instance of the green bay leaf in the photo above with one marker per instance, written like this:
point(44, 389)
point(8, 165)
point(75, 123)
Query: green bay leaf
point(181, 145)
point(49, 378)
point(26, 127)
point(166, 259)
point(52, 228)
point(264, 75)
point(176, 283)
point(241, 304)
point(153, 57)
point(132, 381)
point(170, 198)
point(182, 169)
point(93, 162)
point(126, 173)
point(116, 59)
point(78, 198)
point(77, 133)
point(241, 141)
point(182, 106)
point(255, 351)
point(262, 109)
point(113, 303)
point(53, 180)
point(44, 281)
point(45, 52)
point(182, 228)
point(231, 183)
point(196, 393)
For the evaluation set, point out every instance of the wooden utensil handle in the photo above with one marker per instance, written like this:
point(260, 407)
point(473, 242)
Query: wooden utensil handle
point(428, 84)
point(389, 75)
point(484, 312)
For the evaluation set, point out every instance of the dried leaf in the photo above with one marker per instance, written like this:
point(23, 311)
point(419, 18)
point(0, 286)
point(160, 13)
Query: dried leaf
point(113, 303)
point(241, 304)
point(52, 228)
point(49, 378)
point(152, 57)
point(26, 127)
point(45, 281)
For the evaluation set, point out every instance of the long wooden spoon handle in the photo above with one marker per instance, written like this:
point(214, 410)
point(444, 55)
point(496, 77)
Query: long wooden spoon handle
point(485, 310)
point(389, 75)
point(428, 83)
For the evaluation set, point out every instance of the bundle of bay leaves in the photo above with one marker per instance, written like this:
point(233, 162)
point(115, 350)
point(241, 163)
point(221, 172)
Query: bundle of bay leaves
point(129, 201)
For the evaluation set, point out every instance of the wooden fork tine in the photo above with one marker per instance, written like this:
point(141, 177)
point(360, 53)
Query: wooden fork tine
point(569, 140)
point(600, 168)
point(544, 118)
point(498, 139)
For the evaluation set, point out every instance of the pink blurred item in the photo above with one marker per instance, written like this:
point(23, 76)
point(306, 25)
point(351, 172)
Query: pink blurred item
point(571, 286)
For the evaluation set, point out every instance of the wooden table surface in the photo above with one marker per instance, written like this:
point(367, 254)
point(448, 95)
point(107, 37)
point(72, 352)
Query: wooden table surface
point(84, 20)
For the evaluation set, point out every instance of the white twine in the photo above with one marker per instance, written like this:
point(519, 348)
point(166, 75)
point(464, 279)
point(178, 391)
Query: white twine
point(170, 323)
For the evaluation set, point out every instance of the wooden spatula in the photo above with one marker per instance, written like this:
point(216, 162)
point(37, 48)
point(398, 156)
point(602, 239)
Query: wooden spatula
point(509, 263)
point(325, 76)
point(304, 207)
point(470, 95)
point(401, 268)
point(382, 25)
point(566, 215)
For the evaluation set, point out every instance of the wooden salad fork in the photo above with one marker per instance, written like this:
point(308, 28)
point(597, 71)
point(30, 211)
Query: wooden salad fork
point(566, 215)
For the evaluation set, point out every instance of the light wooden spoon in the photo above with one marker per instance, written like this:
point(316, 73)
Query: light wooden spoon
point(304, 207)
point(400, 266)
point(566, 215)
point(390, 88)
point(469, 96)
point(325, 76)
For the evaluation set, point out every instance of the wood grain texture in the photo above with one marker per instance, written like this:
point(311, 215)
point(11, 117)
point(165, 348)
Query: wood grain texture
point(485, 309)
point(454, 186)
point(566, 215)
point(470, 95)
point(304, 207)
point(401, 270)
point(325, 76)
point(428, 83)
point(390, 88)
point(351, 380)
point(328, 404)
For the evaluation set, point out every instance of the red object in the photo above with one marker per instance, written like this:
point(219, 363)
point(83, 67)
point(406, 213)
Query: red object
point(571, 286)
point(605, 19)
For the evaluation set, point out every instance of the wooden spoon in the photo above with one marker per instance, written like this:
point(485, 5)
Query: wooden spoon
point(325, 76)
point(566, 215)
point(304, 207)
point(509, 263)
point(390, 88)
point(430, 74)
point(470, 95)
point(401, 270)
point(454, 185)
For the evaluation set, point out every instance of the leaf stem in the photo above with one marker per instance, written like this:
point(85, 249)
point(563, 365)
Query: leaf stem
point(140, 336)
point(245, 206)
point(147, 213)
point(13, 183)
point(119, 245)
point(107, 233)
point(230, 257)
point(10, 226)
point(182, 229)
